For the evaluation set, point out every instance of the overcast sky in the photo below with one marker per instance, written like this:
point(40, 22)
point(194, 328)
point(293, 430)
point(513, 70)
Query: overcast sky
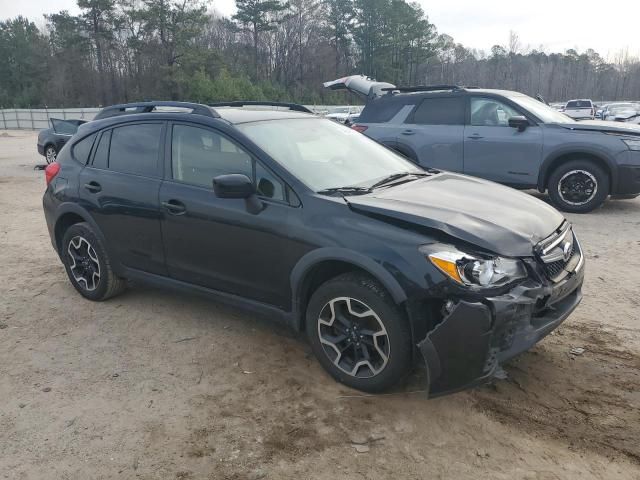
point(606, 26)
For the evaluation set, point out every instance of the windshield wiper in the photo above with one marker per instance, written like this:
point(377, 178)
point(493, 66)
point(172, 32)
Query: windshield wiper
point(345, 190)
point(397, 176)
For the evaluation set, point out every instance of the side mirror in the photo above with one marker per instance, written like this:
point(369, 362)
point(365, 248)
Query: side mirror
point(234, 185)
point(519, 122)
point(237, 185)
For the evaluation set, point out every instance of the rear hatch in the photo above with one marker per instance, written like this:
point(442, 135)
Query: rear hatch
point(66, 127)
point(361, 85)
point(579, 109)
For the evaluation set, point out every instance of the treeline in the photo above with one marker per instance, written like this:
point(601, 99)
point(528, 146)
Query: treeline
point(126, 50)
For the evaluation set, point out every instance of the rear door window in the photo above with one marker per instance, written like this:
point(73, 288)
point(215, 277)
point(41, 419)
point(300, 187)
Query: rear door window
point(440, 111)
point(135, 149)
point(380, 111)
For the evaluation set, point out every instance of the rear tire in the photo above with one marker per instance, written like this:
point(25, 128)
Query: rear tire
point(358, 333)
point(88, 265)
point(50, 153)
point(578, 186)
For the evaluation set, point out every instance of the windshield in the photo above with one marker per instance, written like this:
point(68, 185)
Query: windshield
point(324, 154)
point(579, 104)
point(623, 107)
point(542, 111)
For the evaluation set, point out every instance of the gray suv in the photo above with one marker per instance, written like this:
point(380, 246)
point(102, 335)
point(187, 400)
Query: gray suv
point(503, 136)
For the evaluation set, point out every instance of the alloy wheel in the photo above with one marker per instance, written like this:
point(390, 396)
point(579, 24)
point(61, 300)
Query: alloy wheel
point(84, 263)
point(353, 337)
point(50, 154)
point(577, 187)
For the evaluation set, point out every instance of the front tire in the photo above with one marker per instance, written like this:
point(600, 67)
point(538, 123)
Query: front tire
point(578, 186)
point(358, 334)
point(88, 265)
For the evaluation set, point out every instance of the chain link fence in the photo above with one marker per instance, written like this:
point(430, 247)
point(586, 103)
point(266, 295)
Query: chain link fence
point(38, 119)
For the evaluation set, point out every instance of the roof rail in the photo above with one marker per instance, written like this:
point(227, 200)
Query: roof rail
point(428, 88)
point(146, 107)
point(291, 106)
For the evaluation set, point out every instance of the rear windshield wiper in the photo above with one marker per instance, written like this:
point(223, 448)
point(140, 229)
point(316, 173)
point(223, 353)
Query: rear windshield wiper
point(397, 176)
point(345, 190)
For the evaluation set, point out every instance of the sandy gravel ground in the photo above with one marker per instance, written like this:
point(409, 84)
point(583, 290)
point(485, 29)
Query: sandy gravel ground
point(162, 385)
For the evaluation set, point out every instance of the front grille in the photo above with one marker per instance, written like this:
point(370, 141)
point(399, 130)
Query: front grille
point(554, 269)
point(559, 254)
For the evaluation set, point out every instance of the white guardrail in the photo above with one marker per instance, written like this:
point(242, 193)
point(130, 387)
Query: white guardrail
point(38, 119)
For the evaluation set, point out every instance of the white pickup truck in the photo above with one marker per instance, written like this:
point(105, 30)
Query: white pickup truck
point(580, 109)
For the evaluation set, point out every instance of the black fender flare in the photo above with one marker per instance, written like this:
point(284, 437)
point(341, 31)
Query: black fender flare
point(76, 209)
point(320, 255)
point(548, 163)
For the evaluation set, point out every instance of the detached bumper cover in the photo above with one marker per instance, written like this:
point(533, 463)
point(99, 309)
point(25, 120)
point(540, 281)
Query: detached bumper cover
point(628, 180)
point(465, 349)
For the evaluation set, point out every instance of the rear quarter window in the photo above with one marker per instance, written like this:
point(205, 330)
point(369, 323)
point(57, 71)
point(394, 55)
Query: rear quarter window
point(82, 149)
point(380, 111)
point(101, 157)
point(440, 111)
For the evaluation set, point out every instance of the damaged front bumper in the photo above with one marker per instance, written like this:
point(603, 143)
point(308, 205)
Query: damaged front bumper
point(471, 341)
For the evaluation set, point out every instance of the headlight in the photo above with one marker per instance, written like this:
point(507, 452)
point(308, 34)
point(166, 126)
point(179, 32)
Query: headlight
point(632, 143)
point(469, 270)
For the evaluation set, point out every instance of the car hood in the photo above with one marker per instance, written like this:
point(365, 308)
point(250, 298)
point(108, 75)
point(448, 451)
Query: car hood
point(603, 126)
point(490, 216)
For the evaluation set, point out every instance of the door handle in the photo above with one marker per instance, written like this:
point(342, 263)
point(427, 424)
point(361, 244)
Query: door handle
point(475, 136)
point(174, 207)
point(93, 187)
point(408, 132)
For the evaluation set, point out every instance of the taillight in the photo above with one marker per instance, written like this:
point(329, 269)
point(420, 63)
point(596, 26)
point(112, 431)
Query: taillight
point(51, 171)
point(359, 128)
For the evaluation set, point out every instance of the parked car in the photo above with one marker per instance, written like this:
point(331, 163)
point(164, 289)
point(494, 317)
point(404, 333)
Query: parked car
point(343, 114)
point(623, 110)
point(52, 139)
point(629, 118)
point(506, 137)
point(600, 111)
point(379, 261)
point(351, 120)
point(580, 109)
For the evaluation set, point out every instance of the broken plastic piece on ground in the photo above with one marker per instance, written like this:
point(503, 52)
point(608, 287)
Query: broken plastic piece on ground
point(500, 373)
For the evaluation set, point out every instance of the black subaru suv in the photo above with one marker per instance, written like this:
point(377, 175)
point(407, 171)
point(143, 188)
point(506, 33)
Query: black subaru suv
point(379, 261)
